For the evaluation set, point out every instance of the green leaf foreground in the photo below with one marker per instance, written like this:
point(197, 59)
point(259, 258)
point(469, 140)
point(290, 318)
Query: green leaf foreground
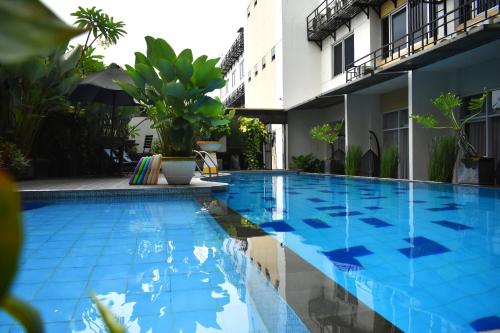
point(25, 314)
point(28, 28)
point(109, 319)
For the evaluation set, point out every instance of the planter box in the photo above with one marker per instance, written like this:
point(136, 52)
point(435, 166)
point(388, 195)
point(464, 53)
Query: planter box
point(478, 172)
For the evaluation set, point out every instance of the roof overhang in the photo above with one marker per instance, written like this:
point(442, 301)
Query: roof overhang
point(267, 116)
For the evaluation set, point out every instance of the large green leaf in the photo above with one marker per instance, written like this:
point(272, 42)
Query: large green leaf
point(217, 83)
point(136, 77)
point(69, 60)
point(10, 232)
point(210, 108)
point(28, 28)
point(174, 89)
point(166, 69)
point(187, 55)
point(159, 49)
point(67, 85)
point(109, 319)
point(140, 58)
point(207, 72)
point(131, 90)
point(184, 70)
point(149, 75)
point(26, 315)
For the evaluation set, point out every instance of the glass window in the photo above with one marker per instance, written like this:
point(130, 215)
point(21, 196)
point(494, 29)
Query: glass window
point(349, 52)
point(233, 78)
point(396, 134)
point(399, 29)
point(391, 120)
point(249, 76)
point(495, 101)
point(263, 62)
point(385, 36)
point(242, 68)
point(248, 11)
point(337, 59)
point(255, 3)
point(256, 70)
point(273, 53)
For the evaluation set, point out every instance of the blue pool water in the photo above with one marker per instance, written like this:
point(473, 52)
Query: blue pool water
point(159, 265)
point(426, 257)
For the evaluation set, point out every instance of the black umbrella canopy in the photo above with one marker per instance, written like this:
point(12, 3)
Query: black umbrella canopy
point(101, 87)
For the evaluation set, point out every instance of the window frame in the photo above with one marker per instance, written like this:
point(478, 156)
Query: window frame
point(263, 62)
point(273, 53)
point(343, 64)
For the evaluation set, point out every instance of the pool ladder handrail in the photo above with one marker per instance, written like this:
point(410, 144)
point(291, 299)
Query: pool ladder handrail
point(199, 153)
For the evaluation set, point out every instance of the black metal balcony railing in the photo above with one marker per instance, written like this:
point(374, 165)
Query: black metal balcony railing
point(330, 15)
point(445, 25)
point(237, 98)
point(234, 53)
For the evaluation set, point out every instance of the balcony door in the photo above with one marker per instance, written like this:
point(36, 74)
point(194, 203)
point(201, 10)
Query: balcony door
point(394, 31)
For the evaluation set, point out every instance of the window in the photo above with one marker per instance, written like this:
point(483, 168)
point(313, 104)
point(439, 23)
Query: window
point(342, 56)
point(248, 11)
point(255, 3)
point(249, 76)
point(227, 87)
point(263, 62)
point(273, 53)
point(394, 30)
point(242, 69)
point(396, 134)
point(233, 79)
point(256, 70)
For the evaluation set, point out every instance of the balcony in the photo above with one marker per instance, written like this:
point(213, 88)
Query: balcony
point(330, 15)
point(234, 53)
point(237, 98)
point(440, 31)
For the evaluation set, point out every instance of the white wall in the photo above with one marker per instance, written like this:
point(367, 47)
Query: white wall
point(228, 77)
point(300, 123)
point(362, 115)
point(144, 129)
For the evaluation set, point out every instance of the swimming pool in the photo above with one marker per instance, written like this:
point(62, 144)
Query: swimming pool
point(161, 265)
point(425, 257)
point(276, 253)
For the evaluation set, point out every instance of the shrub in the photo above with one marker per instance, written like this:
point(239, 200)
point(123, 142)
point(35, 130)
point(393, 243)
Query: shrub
point(443, 153)
point(308, 163)
point(352, 160)
point(254, 133)
point(389, 162)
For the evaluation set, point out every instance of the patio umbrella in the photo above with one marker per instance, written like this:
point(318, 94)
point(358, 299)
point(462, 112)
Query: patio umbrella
point(100, 87)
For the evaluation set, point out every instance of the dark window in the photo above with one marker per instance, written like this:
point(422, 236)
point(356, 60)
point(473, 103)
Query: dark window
point(385, 36)
point(273, 53)
point(337, 59)
point(255, 3)
point(349, 52)
point(399, 29)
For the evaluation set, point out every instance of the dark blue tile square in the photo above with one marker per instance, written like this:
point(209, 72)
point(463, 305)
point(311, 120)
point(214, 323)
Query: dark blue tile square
point(422, 247)
point(345, 259)
point(486, 324)
point(373, 207)
point(316, 200)
point(230, 197)
point(243, 210)
point(452, 225)
point(419, 201)
point(342, 192)
point(351, 213)
point(330, 207)
point(444, 197)
point(276, 210)
point(269, 198)
point(293, 192)
point(373, 197)
point(316, 223)
point(278, 226)
point(326, 191)
point(376, 222)
point(442, 209)
point(256, 192)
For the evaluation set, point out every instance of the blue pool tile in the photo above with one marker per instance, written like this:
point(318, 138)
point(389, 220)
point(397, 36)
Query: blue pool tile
point(57, 290)
point(316, 200)
point(278, 226)
point(316, 223)
point(373, 197)
point(373, 207)
point(418, 201)
point(56, 310)
point(452, 225)
point(345, 259)
point(444, 197)
point(376, 222)
point(194, 300)
point(269, 198)
point(350, 213)
point(442, 209)
point(243, 210)
point(111, 272)
point(71, 274)
point(330, 207)
point(33, 276)
point(275, 210)
point(326, 191)
point(423, 247)
point(26, 291)
point(294, 192)
point(486, 324)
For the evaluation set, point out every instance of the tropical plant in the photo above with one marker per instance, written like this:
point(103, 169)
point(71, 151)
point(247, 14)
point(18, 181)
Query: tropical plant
point(254, 134)
point(353, 160)
point(327, 133)
point(12, 158)
point(100, 26)
point(443, 153)
point(448, 104)
point(29, 28)
point(11, 238)
point(307, 163)
point(90, 62)
point(175, 88)
point(32, 90)
point(389, 162)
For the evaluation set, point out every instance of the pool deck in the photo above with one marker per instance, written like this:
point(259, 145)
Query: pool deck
point(114, 186)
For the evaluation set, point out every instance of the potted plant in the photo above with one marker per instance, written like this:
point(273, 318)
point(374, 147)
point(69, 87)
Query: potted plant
point(210, 136)
point(469, 167)
point(174, 88)
point(330, 135)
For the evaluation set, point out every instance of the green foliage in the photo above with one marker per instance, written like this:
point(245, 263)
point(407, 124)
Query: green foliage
point(12, 158)
point(326, 132)
point(389, 162)
point(307, 163)
point(28, 28)
point(90, 62)
point(254, 134)
point(448, 105)
point(156, 147)
point(175, 88)
point(443, 153)
point(215, 133)
point(352, 160)
point(11, 238)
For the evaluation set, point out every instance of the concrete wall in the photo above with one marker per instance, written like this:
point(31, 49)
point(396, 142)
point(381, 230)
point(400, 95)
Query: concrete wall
point(299, 124)
point(362, 114)
point(144, 129)
point(302, 59)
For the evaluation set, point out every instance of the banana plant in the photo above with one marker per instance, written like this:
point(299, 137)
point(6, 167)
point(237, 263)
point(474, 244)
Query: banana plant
point(11, 238)
point(175, 89)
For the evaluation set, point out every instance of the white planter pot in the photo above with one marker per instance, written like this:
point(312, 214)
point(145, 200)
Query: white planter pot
point(209, 146)
point(178, 170)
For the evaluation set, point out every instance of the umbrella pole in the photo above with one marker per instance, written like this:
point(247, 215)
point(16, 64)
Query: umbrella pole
point(113, 113)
